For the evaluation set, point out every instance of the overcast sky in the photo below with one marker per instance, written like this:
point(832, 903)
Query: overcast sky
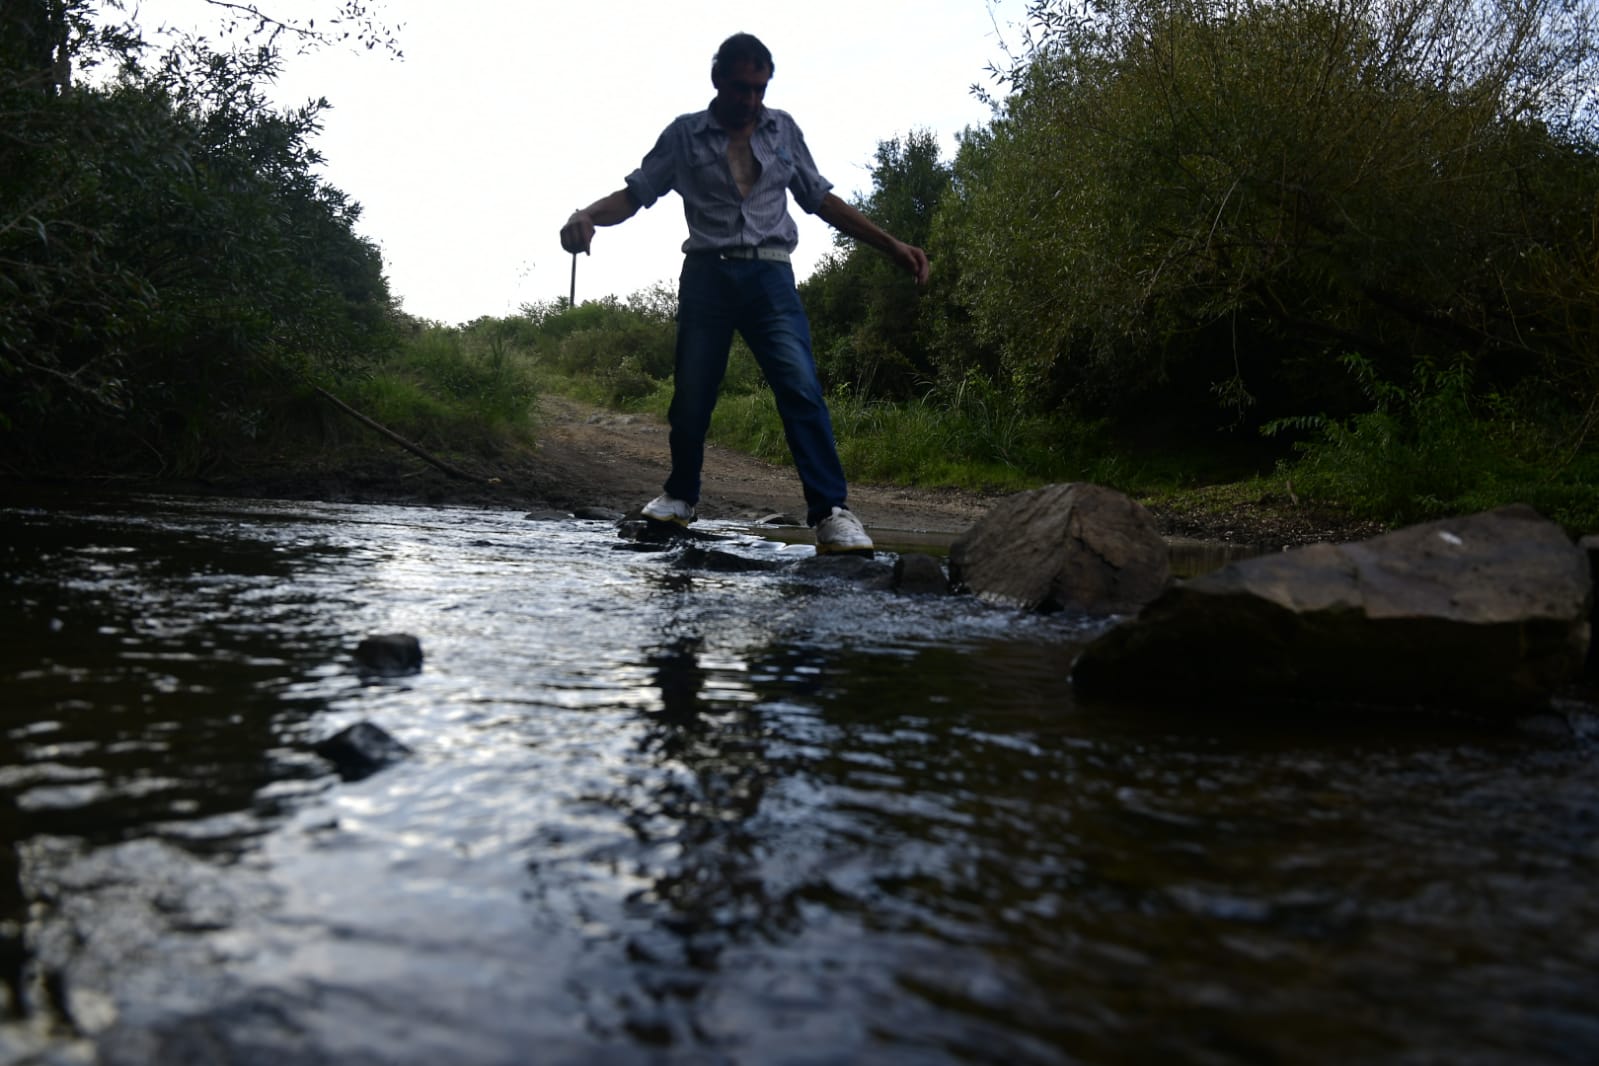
point(470, 152)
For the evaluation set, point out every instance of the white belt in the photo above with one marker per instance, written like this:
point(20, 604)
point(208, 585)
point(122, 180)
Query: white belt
point(770, 255)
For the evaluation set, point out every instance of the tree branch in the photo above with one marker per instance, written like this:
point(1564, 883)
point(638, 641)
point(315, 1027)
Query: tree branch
point(414, 449)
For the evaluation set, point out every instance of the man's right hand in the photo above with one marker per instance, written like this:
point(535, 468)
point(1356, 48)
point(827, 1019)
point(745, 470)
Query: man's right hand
point(578, 233)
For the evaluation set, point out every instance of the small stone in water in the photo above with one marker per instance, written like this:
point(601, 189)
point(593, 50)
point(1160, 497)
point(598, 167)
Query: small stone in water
point(361, 750)
point(389, 654)
point(919, 574)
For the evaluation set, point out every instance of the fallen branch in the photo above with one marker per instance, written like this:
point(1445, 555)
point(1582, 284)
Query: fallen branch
point(414, 449)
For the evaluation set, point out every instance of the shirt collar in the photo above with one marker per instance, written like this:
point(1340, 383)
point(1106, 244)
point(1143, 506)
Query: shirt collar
point(707, 119)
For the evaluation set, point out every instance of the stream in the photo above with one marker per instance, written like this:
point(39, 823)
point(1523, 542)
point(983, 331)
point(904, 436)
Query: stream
point(658, 814)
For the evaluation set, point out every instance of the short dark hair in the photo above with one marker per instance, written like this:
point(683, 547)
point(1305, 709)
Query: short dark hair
point(741, 48)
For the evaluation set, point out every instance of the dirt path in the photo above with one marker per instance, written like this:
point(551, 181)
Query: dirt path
point(596, 458)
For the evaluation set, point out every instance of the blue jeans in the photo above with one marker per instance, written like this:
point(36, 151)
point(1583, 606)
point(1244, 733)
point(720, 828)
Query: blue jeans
point(757, 298)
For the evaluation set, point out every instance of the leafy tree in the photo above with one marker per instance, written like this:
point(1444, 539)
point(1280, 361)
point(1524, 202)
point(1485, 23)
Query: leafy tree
point(864, 311)
point(169, 264)
point(1215, 199)
point(963, 348)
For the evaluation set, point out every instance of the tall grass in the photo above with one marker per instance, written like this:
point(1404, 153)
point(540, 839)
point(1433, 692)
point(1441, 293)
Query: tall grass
point(967, 440)
point(1435, 446)
point(454, 388)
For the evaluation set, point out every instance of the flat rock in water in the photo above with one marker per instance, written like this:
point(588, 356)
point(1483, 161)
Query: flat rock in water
point(1074, 547)
point(694, 557)
point(1487, 612)
point(649, 531)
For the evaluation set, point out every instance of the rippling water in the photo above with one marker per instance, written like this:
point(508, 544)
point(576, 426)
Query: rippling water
point(663, 815)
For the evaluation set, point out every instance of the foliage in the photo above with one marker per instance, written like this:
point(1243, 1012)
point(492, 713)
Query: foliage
point(971, 439)
point(615, 352)
point(1413, 455)
point(1215, 199)
point(169, 264)
point(448, 387)
point(864, 310)
point(1433, 448)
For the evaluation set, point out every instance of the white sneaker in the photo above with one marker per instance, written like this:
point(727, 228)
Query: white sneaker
point(666, 508)
point(841, 531)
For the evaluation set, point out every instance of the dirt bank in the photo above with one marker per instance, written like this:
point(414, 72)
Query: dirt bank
point(592, 457)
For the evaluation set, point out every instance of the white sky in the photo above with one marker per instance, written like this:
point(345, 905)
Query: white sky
point(469, 154)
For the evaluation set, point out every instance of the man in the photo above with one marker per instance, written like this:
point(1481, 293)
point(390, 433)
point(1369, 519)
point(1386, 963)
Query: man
point(734, 164)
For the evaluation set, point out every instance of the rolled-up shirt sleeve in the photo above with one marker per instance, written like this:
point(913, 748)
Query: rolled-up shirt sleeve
point(655, 176)
point(806, 183)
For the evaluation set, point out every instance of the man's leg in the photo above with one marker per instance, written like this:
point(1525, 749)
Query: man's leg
point(773, 321)
point(704, 334)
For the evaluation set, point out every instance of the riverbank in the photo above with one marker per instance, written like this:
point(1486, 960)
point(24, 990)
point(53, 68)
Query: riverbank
point(587, 456)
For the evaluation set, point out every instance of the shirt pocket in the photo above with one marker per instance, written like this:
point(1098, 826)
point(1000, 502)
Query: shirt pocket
point(707, 165)
point(779, 168)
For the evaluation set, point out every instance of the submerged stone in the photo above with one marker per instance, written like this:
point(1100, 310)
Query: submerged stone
point(860, 569)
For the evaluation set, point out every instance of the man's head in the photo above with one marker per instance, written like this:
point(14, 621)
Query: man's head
point(740, 71)
point(741, 48)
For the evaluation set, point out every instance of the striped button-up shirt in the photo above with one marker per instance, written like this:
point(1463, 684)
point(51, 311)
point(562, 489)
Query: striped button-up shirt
point(691, 157)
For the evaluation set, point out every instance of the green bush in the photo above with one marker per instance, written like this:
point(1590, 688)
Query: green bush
point(450, 387)
point(170, 265)
point(1214, 200)
point(1430, 449)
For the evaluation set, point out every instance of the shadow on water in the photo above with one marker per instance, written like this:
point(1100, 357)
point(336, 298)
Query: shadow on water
point(658, 814)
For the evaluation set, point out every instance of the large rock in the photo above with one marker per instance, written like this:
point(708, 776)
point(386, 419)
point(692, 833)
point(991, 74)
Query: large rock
point(1488, 612)
point(1064, 547)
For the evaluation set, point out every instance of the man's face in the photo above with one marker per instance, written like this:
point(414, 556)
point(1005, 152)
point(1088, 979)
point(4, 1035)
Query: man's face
point(739, 91)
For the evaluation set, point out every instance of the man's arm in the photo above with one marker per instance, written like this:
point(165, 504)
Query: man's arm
point(578, 232)
point(850, 222)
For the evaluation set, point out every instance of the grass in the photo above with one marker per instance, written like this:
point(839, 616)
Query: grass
point(1433, 447)
point(449, 390)
point(922, 443)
